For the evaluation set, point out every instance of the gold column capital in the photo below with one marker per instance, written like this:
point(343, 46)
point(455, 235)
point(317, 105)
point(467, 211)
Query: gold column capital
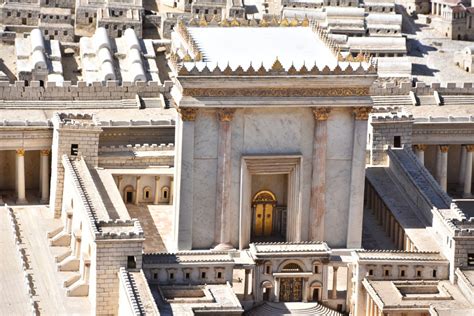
point(45, 152)
point(120, 178)
point(444, 148)
point(188, 114)
point(321, 114)
point(469, 148)
point(420, 147)
point(20, 151)
point(225, 114)
point(362, 113)
point(138, 178)
point(157, 178)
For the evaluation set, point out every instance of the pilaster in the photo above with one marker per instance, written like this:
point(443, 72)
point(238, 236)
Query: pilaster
point(318, 182)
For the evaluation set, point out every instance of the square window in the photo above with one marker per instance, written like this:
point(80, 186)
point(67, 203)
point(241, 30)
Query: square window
point(74, 147)
point(402, 273)
point(371, 272)
point(219, 275)
point(171, 276)
point(155, 275)
point(203, 275)
point(131, 263)
point(187, 275)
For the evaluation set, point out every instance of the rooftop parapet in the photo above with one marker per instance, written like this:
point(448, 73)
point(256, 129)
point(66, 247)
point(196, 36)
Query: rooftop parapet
point(120, 229)
point(76, 121)
point(136, 147)
point(392, 118)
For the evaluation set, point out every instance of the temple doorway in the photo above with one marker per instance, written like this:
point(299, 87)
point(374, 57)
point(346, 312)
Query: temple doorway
point(291, 289)
point(264, 203)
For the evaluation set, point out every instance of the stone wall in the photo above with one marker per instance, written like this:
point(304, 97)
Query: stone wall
point(110, 90)
point(383, 132)
point(135, 162)
point(421, 88)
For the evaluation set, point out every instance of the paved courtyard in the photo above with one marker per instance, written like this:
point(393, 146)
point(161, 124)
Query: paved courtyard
point(157, 223)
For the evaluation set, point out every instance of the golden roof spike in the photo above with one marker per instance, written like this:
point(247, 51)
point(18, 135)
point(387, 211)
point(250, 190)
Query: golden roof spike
point(263, 22)
point(224, 22)
point(305, 21)
point(234, 22)
point(187, 58)
point(202, 21)
point(277, 66)
point(284, 22)
point(198, 56)
point(294, 22)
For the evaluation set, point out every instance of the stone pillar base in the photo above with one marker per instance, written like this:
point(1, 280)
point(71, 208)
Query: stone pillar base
point(223, 247)
point(21, 201)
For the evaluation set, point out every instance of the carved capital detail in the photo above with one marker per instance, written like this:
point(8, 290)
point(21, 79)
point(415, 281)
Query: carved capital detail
point(20, 152)
point(420, 147)
point(187, 114)
point(157, 178)
point(225, 115)
point(469, 148)
point(444, 148)
point(362, 113)
point(321, 114)
point(45, 152)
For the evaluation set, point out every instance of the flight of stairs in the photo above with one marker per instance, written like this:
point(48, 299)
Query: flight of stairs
point(276, 309)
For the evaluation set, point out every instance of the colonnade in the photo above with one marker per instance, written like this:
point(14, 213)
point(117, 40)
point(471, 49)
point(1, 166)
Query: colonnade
point(441, 173)
point(20, 177)
point(385, 218)
point(372, 309)
point(436, 8)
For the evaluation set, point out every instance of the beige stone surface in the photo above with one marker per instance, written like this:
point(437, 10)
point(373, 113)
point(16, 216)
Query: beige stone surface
point(35, 222)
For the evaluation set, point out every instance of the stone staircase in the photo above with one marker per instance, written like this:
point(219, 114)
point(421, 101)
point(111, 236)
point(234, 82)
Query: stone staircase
point(275, 309)
point(392, 100)
point(450, 100)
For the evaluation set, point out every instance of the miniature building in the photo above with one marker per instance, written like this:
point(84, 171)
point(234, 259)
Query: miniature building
point(37, 59)
point(289, 160)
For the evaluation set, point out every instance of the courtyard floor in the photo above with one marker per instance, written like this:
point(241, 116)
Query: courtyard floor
point(157, 223)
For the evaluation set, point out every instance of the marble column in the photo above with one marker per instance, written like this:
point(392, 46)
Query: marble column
point(20, 176)
point(318, 182)
point(468, 171)
point(462, 165)
point(356, 202)
point(224, 174)
point(246, 284)
point(334, 283)
point(44, 176)
point(420, 153)
point(137, 189)
point(443, 171)
point(157, 190)
point(171, 191)
point(277, 290)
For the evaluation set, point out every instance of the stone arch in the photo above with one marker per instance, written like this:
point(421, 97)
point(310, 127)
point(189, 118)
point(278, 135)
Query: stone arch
point(165, 194)
point(267, 290)
point(147, 194)
point(128, 194)
point(297, 262)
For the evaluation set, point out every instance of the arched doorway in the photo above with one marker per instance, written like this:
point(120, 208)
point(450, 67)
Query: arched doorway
point(263, 206)
point(315, 291)
point(291, 289)
point(267, 288)
point(128, 194)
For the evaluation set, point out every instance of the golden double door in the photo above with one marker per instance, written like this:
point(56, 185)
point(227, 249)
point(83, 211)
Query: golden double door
point(263, 204)
point(291, 289)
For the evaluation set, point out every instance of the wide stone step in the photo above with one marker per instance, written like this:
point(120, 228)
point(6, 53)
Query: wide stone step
point(275, 309)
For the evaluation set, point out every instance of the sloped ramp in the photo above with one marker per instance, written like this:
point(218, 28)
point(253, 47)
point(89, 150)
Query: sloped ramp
point(276, 309)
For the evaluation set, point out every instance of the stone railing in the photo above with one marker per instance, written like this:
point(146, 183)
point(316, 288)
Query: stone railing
point(109, 90)
point(136, 147)
point(443, 119)
point(122, 229)
point(421, 88)
point(387, 117)
point(131, 292)
point(419, 185)
point(28, 277)
point(137, 123)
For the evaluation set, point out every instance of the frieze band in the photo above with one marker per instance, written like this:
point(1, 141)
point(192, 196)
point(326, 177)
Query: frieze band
point(276, 92)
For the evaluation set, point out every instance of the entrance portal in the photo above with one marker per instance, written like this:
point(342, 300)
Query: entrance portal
point(291, 289)
point(263, 204)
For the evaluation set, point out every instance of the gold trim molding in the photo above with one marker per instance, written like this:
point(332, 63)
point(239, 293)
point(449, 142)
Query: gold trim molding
point(321, 114)
point(444, 148)
point(188, 114)
point(420, 147)
point(45, 152)
point(469, 148)
point(362, 113)
point(276, 92)
point(20, 152)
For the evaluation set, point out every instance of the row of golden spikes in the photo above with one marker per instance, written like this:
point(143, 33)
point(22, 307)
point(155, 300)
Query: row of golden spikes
point(183, 31)
point(335, 48)
point(215, 21)
point(277, 67)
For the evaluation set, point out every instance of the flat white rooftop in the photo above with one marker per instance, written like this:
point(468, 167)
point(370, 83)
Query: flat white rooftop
point(245, 45)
